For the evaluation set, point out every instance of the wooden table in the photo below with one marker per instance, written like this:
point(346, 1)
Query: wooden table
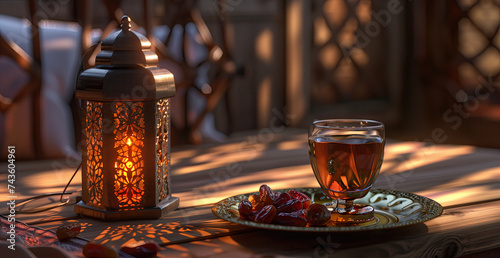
point(464, 179)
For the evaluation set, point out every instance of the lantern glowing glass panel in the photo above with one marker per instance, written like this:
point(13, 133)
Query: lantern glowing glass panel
point(126, 131)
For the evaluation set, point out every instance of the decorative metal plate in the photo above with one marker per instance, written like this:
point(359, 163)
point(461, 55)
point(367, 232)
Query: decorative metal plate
point(392, 209)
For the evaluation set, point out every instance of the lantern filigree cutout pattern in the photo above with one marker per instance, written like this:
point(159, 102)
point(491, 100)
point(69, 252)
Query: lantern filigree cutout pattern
point(126, 136)
point(162, 143)
point(129, 141)
point(93, 142)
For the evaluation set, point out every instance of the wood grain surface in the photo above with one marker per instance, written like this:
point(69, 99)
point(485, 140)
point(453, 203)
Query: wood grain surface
point(464, 179)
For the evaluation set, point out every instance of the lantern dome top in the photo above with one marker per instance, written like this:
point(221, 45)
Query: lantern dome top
point(126, 47)
point(126, 70)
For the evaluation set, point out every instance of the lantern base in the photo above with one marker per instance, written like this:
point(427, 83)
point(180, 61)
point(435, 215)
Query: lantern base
point(160, 210)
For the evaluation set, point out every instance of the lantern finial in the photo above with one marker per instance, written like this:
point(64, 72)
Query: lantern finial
point(126, 23)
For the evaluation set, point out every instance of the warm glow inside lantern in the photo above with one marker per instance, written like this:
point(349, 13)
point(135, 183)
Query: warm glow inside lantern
point(126, 131)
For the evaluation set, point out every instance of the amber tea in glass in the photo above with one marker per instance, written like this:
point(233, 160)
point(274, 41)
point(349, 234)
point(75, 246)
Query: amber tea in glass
point(346, 156)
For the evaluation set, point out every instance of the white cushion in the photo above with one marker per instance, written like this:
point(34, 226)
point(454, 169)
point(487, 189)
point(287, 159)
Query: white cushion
point(60, 54)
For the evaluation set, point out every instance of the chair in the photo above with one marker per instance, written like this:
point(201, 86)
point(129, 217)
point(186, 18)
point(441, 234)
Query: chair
point(32, 66)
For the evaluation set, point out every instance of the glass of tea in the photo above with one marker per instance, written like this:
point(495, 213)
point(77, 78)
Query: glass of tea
point(346, 156)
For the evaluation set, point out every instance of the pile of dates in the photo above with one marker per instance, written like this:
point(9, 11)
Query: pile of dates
point(291, 209)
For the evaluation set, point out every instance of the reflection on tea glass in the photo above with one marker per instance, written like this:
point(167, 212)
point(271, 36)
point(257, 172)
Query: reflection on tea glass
point(346, 156)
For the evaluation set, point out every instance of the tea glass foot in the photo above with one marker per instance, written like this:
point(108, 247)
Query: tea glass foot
point(349, 213)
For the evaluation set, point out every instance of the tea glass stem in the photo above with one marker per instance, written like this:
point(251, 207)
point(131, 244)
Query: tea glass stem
point(344, 206)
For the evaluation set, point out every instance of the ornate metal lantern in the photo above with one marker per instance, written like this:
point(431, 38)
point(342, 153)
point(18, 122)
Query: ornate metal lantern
point(126, 131)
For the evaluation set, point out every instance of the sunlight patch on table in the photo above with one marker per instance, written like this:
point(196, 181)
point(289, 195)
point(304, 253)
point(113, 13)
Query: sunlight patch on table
point(423, 157)
point(394, 149)
point(483, 176)
point(219, 161)
point(179, 248)
point(229, 241)
point(178, 156)
point(205, 243)
point(462, 195)
point(47, 179)
point(291, 145)
point(219, 151)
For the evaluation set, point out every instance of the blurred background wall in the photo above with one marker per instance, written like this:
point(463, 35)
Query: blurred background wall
point(428, 69)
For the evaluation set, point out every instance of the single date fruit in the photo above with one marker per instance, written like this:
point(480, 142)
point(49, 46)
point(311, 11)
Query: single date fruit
point(301, 213)
point(306, 201)
point(94, 250)
point(276, 196)
point(141, 249)
point(245, 208)
point(290, 219)
point(266, 215)
point(290, 206)
point(317, 215)
point(254, 199)
point(65, 233)
point(284, 197)
point(252, 215)
point(266, 194)
point(257, 205)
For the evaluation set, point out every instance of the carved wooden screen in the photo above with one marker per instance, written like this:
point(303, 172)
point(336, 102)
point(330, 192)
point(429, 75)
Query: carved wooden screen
point(478, 65)
point(354, 57)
